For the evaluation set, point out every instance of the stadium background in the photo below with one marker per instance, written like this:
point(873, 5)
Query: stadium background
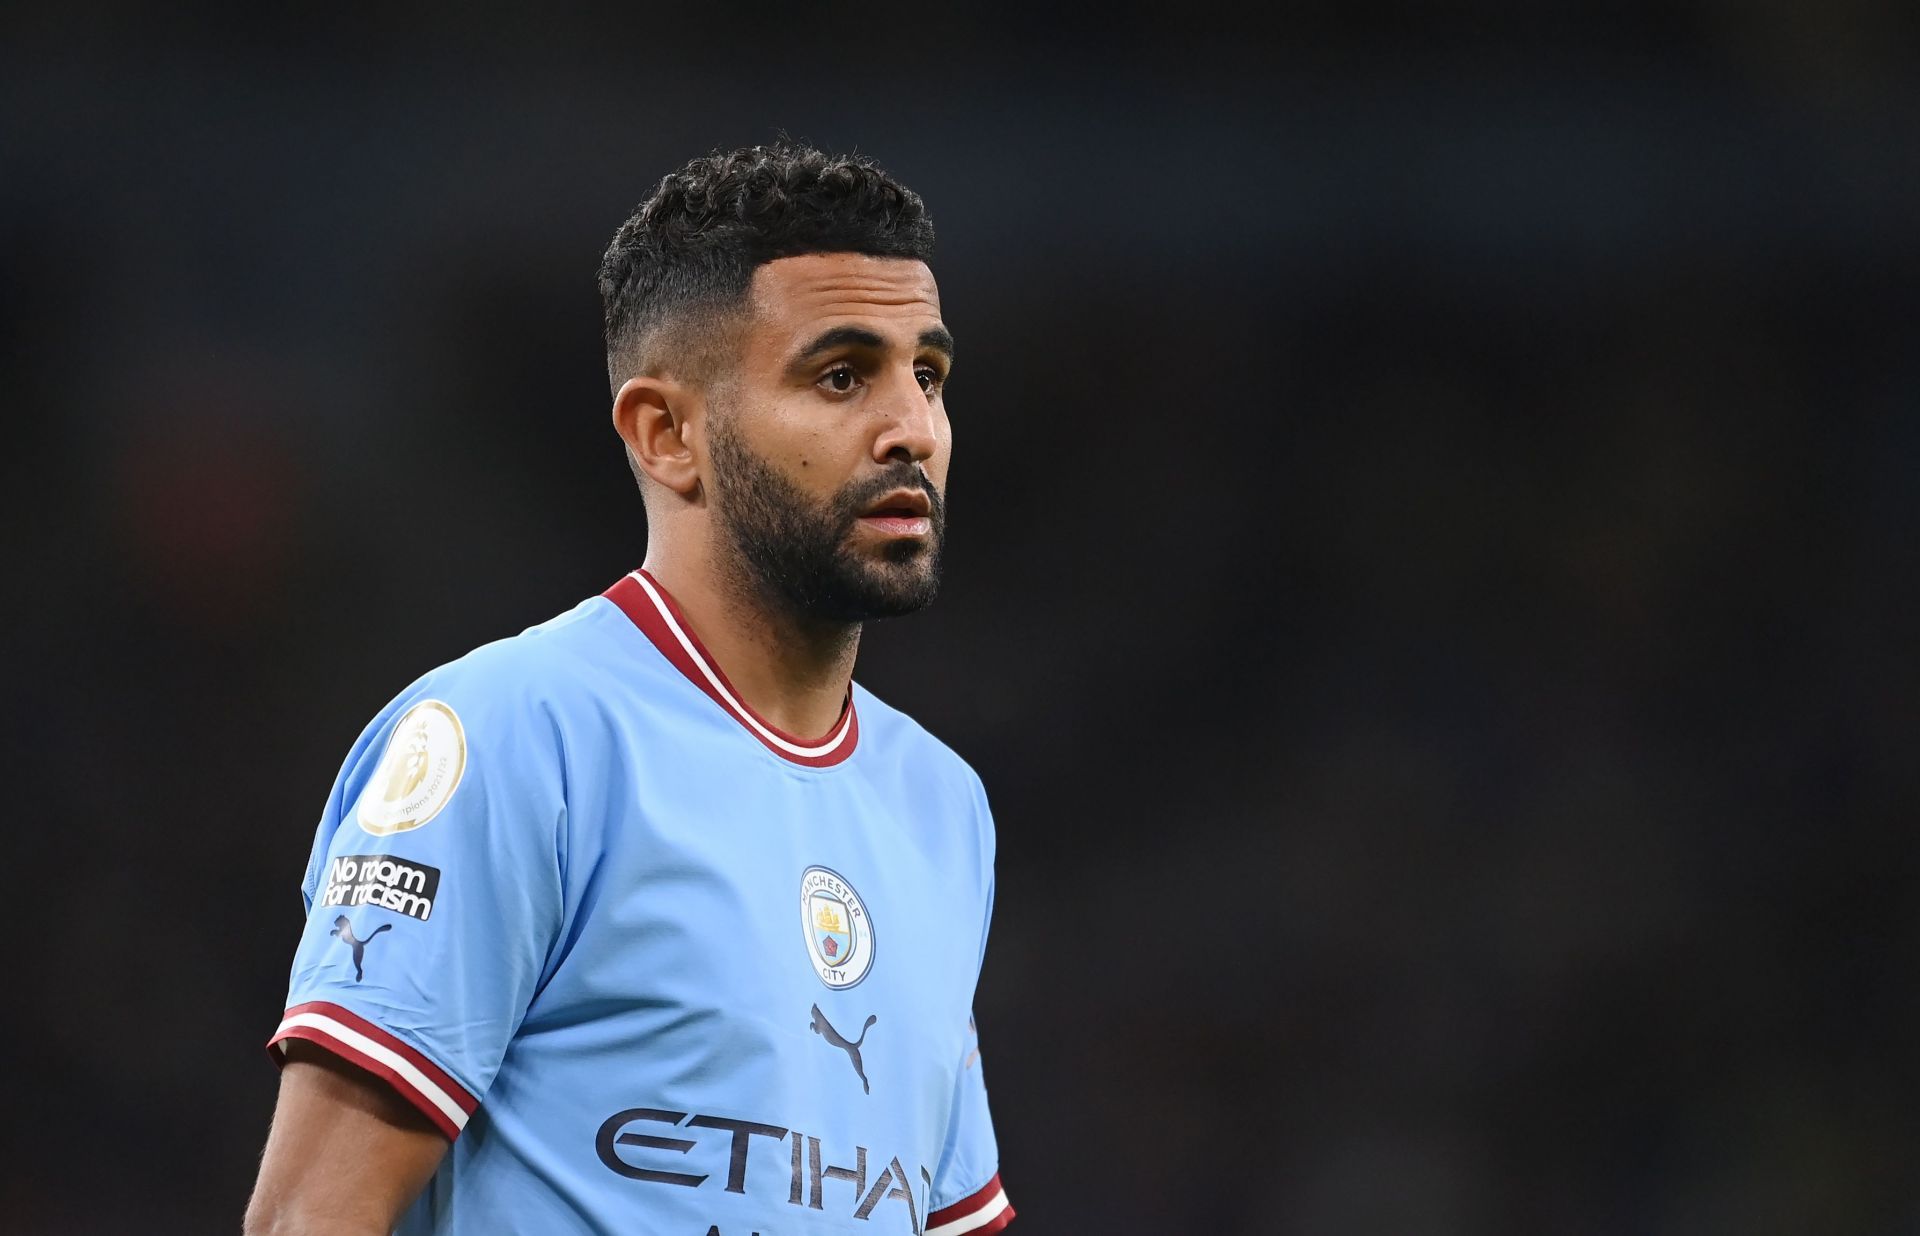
point(1432, 590)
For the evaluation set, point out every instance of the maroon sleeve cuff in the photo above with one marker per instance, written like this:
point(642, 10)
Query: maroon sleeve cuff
point(418, 1080)
point(984, 1211)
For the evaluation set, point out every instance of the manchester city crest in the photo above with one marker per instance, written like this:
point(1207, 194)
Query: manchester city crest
point(839, 933)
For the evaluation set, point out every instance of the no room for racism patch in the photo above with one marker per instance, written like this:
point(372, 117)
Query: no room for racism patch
point(384, 881)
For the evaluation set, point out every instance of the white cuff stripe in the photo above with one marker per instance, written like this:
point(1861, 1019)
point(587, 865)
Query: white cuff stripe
point(421, 1083)
point(978, 1219)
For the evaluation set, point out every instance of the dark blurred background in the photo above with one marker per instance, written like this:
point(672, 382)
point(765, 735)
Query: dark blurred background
point(1432, 592)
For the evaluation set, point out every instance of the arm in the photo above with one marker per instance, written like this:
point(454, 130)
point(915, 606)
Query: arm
point(346, 1153)
point(441, 927)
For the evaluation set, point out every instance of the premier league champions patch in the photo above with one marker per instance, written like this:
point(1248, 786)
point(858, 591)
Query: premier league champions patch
point(839, 933)
point(419, 772)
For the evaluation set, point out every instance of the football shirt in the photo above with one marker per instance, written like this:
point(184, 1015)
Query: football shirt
point(652, 964)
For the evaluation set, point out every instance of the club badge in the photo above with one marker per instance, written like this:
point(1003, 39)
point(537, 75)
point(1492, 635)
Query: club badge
point(419, 772)
point(839, 934)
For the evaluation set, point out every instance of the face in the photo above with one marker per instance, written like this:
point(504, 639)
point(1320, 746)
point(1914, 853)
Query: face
point(829, 448)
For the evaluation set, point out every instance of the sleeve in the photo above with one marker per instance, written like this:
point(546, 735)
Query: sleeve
point(434, 893)
point(967, 1196)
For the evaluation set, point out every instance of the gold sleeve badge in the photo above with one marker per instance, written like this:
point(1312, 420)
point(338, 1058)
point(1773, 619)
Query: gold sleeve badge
point(421, 769)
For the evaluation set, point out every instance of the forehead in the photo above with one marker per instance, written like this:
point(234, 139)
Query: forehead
point(801, 296)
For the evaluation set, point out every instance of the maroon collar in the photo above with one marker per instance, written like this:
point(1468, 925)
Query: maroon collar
point(644, 600)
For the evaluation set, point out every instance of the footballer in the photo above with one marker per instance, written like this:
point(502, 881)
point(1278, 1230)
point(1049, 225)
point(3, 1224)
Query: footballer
point(650, 919)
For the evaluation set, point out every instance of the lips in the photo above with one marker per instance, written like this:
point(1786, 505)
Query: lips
point(903, 512)
point(900, 504)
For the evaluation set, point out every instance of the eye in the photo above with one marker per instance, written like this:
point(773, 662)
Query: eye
point(840, 379)
point(930, 379)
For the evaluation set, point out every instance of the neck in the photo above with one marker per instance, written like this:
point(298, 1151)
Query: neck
point(792, 670)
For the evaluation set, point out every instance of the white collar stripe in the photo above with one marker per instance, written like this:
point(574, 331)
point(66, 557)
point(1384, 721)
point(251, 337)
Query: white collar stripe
point(719, 686)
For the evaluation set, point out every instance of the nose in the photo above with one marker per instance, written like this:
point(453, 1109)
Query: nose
point(910, 427)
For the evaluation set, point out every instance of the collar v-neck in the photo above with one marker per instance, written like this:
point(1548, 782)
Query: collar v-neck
point(643, 599)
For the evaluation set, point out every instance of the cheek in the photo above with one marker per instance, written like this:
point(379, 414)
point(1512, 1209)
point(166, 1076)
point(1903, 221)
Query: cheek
point(801, 450)
point(937, 466)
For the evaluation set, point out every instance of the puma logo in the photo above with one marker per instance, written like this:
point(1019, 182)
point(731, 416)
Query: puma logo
point(344, 929)
point(824, 1028)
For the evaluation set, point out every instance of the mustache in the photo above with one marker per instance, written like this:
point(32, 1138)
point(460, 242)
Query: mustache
point(857, 498)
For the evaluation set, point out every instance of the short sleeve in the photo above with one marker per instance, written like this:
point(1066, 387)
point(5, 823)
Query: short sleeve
point(434, 893)
point(967, 1197)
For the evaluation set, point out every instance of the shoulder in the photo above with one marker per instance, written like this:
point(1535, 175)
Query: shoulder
point(898, 738)
point(552, 667)
point(548, 656)
point(947, 796)
point(514, 695)
point(889, 726)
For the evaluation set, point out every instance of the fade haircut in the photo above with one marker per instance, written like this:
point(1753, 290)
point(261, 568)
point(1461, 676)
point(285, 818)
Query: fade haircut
point(682, 265)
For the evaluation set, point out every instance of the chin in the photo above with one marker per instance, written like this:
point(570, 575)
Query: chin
point(889, 590)
point(899, 597)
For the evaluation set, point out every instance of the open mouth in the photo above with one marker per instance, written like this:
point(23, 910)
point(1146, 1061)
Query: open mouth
point(905, 512)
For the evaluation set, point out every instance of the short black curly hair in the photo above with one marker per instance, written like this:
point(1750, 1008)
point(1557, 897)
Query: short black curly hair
point(686, 256)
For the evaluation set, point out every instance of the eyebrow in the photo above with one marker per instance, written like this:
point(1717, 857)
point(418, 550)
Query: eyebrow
point(935, 337)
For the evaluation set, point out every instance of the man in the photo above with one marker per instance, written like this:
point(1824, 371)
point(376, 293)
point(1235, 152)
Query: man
point(649, 919)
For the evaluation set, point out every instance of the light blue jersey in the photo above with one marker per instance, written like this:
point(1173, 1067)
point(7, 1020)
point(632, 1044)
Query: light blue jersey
point(653, 965)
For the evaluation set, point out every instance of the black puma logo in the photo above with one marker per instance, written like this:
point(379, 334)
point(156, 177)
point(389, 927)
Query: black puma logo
point(824, 1028)
point(344, 929)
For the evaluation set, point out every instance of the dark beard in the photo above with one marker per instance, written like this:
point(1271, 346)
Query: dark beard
point(796, 550)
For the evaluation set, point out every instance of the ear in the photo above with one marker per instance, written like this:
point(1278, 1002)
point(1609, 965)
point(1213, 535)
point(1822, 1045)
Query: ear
point(653, 417)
